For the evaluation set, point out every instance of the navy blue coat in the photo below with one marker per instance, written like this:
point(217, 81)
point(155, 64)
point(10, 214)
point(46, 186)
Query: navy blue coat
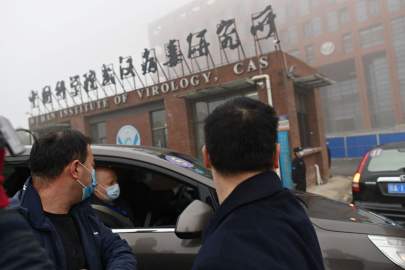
point(260, 225)
point(103, 249)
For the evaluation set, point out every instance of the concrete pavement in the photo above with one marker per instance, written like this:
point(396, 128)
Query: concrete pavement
point(337, 188)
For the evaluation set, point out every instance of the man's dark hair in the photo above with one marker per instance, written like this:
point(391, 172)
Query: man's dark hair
point(51, 153)
point(241, 136)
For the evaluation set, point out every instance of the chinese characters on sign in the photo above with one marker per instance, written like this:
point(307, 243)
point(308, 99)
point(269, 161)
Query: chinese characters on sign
point(198, 46)
point(263, 22)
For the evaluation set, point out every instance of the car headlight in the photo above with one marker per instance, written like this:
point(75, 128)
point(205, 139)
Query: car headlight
point(392, 247)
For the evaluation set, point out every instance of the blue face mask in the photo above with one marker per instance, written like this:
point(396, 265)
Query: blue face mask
point(113, 192)
point(87, 191)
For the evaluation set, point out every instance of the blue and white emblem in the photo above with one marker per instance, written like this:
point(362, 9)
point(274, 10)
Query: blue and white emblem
point(128, 135)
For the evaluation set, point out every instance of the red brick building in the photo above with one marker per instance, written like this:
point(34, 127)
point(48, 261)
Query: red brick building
point(171, 114)
point(360, 44)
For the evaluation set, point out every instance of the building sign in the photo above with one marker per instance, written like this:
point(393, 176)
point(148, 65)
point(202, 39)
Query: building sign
point(84, 93)
point(128, 135)
point(79, 109)
point(201, 79)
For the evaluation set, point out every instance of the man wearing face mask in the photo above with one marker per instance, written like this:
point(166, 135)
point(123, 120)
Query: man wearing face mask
point(55, 202)
point(106, 200)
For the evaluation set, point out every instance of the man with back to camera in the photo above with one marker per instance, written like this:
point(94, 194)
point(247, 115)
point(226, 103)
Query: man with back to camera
point(55, 203)
point(259, 224)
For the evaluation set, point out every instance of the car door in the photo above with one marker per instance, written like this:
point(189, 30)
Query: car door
point(155, 243)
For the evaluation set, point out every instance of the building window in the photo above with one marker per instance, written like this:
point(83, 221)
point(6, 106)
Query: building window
point(398, 36)
point(159, 128)
point(98, 132)
point(340, 101)
point(395, 5)
point(332, 21)
point(372, 36)
point(379, 91)
point(317, 26)
point(367, 8)
point(313, 27)
point(341, 106)
point(304, 6)
point(310, 54)
point(347, 43)
point(344, 16)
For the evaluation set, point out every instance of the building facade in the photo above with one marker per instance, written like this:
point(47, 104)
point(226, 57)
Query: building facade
point(360, 44)
point(171, 113)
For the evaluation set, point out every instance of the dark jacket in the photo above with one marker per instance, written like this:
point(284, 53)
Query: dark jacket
point(299, 174)
point(260, 225)
point(19, 247)
point(103, 249)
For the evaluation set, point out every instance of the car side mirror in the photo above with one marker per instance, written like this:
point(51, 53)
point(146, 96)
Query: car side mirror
point(193, 220)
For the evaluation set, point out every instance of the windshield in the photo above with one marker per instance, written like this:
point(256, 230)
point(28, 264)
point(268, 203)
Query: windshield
point(387, 160)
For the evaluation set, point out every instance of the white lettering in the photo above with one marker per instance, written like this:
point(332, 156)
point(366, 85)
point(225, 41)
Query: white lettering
point(165, 88)
point(252, 66)
point(155, 90)
point(207, 77)
point(238, 69)
point(263, 62)
point(124, 98)
point(184, 83)
point(105, 103)
point(117, 100)
point(174, 86)
point(195, 81)
point(140, 93)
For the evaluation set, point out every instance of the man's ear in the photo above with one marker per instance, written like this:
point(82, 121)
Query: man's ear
point(276, 157)
point(73, 169)
point(206, 157)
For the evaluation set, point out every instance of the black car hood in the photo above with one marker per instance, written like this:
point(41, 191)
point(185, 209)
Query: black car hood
point(336, 216)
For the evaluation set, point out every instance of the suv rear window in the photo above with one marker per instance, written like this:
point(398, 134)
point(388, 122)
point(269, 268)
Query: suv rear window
point(386, 160)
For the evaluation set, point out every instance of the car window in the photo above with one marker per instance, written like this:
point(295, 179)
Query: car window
point(15, 177)
point(151, 199)
point(386, 160)
point(148, 198)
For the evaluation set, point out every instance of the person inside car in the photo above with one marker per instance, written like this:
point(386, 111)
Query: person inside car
point(106, 200)
point(259, 224)
point(55, 202)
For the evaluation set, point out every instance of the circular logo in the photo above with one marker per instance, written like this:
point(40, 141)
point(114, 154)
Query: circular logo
point(328, 48)
point(128, 135)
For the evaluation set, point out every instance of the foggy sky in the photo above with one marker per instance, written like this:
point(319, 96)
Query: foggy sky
point(44, 41)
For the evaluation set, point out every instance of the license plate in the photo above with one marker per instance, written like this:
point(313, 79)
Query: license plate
point(396, 188)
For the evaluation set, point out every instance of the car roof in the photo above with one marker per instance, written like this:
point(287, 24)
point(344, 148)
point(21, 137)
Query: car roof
point(151, 155)
point(394, 145)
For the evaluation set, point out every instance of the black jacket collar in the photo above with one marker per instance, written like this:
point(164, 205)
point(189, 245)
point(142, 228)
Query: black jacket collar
point(29, 203)
point(255, 188)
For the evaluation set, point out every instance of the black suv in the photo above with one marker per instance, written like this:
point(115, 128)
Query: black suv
point(379, 182)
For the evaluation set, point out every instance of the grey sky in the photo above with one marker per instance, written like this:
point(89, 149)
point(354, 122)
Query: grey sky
point(44, 41)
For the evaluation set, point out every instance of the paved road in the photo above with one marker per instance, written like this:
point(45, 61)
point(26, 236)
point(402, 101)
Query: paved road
point(337, 188)
point(345, 167)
